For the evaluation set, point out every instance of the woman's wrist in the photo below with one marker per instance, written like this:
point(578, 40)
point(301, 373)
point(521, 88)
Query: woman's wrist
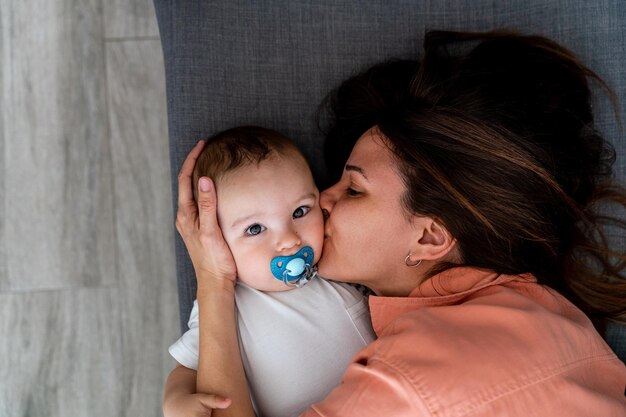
point(213, 282)
point(216, 287)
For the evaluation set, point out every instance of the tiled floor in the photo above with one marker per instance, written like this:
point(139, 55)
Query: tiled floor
point(88, 299)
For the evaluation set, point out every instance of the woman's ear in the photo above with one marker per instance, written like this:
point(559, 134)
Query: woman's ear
point(432, 240)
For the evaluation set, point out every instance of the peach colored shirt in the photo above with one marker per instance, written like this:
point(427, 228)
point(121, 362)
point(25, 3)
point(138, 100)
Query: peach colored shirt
point(470, 342)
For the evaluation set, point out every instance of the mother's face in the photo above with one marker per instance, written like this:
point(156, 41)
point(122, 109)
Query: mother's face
point(368, 234)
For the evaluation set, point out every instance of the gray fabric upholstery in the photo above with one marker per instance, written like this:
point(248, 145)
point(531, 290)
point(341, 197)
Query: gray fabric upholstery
point(615, 336)
point(270, 63)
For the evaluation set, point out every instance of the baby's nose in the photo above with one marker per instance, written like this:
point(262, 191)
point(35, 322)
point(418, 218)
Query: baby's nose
point(288, 240)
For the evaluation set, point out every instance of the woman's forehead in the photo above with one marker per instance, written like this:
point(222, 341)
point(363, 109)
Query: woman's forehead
point(371, 152)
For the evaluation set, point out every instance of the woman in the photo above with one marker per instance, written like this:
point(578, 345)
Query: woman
point(469, 203)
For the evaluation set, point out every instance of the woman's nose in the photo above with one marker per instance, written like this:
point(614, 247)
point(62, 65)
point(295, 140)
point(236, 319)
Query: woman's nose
point(328, 199)
point(288, 240)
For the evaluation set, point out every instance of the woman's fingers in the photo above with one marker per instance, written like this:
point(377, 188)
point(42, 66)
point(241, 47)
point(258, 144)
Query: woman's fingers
point(199, 228)
point(185, 192)
point(219, 257)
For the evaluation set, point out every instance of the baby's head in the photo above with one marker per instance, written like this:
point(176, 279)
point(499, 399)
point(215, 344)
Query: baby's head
point(267, 202)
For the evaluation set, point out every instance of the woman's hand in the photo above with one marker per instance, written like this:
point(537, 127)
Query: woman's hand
point(209, 252)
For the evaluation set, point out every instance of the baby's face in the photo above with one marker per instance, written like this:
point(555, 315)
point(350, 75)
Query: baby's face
point(267, 211)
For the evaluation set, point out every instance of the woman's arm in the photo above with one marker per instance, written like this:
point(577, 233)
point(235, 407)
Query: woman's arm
point(220, 370)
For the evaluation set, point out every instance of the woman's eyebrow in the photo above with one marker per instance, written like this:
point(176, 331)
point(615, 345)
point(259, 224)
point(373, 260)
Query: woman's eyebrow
point(356, 169)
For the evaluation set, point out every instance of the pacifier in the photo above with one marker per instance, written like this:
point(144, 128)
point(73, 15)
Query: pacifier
point(294, 270)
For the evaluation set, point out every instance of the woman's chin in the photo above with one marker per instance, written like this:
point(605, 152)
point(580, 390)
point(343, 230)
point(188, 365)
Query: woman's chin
point(325, 269)
point(328, 271)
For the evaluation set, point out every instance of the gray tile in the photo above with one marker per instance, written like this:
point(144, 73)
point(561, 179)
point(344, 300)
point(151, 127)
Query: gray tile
point(134, 18)
point(62, 353)
point(57, 226)
point(84, 352)
point(77, 191)
point(3, 134)
point(144, 219)
point(140, 153)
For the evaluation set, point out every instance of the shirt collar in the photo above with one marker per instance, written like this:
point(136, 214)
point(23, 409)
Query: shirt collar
point(445, 288)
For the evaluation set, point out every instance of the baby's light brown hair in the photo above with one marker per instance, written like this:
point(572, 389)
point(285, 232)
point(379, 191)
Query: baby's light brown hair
point(239, 147)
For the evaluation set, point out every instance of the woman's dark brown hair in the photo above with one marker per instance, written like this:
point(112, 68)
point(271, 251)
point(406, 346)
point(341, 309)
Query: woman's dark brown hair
point(499, 144)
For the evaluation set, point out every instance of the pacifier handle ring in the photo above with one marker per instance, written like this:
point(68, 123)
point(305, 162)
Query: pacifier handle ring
point(294, 283)
point(305, 277)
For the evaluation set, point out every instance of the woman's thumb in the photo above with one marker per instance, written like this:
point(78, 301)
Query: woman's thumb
point(207, 203)
point(205, 184)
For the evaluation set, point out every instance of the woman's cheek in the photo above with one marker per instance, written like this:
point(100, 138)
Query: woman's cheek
point(339, 246)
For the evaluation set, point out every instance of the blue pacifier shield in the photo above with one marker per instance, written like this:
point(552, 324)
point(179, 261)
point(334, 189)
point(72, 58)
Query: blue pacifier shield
point(292, 267)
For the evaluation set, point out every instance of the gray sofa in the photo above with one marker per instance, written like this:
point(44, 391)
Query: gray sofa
point(270, 63)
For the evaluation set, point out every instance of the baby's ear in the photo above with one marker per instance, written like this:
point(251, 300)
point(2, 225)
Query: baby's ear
point(432, 239)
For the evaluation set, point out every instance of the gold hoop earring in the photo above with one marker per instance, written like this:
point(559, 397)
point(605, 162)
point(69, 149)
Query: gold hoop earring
point(406, 262)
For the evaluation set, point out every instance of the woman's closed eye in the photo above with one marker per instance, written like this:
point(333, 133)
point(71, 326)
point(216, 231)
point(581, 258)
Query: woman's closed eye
point(352, 192)
point(301, 212)
point(255, 229)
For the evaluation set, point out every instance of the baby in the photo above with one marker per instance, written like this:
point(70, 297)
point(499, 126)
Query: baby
point(297, 331)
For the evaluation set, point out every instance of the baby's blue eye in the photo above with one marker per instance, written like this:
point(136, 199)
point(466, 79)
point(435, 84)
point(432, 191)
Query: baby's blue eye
point(301, 212)
point(255, 229)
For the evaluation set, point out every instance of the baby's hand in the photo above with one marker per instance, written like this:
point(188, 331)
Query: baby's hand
point(209, 252)
point(181, 400)
point(194, 405)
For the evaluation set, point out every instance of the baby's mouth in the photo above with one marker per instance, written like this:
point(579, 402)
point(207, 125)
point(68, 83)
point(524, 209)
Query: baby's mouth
point(291, 269)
